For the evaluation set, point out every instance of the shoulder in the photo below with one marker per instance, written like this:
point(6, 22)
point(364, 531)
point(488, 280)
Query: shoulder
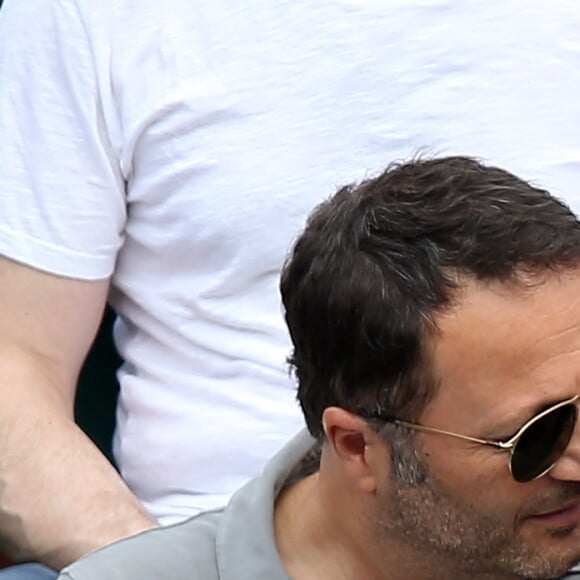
point(181, 551)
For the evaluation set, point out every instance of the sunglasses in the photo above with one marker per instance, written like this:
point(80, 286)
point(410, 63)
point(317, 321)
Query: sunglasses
point(533, 450)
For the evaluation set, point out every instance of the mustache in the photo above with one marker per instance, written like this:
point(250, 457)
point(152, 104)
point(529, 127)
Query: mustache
point(558, 499)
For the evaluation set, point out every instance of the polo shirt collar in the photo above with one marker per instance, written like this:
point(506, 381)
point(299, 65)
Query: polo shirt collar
point(245, 542)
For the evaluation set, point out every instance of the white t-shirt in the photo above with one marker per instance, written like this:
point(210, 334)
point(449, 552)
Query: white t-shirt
point(179, 145)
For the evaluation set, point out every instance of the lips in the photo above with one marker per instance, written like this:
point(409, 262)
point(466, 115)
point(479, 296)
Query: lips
point(567, 516)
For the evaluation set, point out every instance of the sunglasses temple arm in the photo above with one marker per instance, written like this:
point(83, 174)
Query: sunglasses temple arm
point(498, 444)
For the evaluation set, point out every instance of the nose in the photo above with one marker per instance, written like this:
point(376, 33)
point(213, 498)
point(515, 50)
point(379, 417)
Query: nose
point(567, 468)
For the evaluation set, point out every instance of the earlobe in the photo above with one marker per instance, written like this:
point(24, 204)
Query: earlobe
point(354, 445)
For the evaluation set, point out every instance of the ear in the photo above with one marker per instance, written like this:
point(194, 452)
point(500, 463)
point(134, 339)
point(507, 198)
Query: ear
point(362, 455)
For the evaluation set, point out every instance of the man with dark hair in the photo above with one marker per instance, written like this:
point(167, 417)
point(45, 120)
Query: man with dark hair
point(435, 316)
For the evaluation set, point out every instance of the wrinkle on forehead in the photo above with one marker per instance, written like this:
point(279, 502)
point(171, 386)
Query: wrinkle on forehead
point(572, 308)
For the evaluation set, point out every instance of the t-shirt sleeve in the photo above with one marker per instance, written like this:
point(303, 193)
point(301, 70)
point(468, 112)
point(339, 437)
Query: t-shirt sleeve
point(62, 193)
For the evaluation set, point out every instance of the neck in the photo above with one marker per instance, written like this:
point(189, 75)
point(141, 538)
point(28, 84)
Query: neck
point(319, 536)
point(311, 538)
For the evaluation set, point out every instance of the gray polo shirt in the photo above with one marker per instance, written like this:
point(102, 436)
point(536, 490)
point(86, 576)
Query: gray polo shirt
point(232, 543)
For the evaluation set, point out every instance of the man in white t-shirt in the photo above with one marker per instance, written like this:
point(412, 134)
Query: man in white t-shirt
point(162, 156)
point(435, 322)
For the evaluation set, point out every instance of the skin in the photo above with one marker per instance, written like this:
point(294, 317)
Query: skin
point(59, 497)
point(502, 353)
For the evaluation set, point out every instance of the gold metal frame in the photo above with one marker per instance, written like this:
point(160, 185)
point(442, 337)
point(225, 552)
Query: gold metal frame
point(508, 445)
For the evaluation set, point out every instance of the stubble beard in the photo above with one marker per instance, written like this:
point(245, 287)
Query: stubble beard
point(439, 529)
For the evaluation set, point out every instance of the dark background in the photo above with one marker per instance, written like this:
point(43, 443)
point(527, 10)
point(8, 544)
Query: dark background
point(98, 388)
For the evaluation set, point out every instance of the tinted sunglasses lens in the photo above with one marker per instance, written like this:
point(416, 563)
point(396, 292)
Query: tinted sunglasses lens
point(543, 443)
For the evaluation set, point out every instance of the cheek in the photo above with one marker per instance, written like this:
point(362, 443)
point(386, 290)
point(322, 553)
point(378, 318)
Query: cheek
point(476, 476)
point(463, 461)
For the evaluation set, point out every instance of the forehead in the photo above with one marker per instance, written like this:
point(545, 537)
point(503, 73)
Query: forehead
point(504, 351)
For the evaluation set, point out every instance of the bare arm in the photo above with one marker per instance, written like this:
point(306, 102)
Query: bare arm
point(59, 497)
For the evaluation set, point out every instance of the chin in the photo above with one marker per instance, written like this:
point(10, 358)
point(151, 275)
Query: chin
point(557, 550)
